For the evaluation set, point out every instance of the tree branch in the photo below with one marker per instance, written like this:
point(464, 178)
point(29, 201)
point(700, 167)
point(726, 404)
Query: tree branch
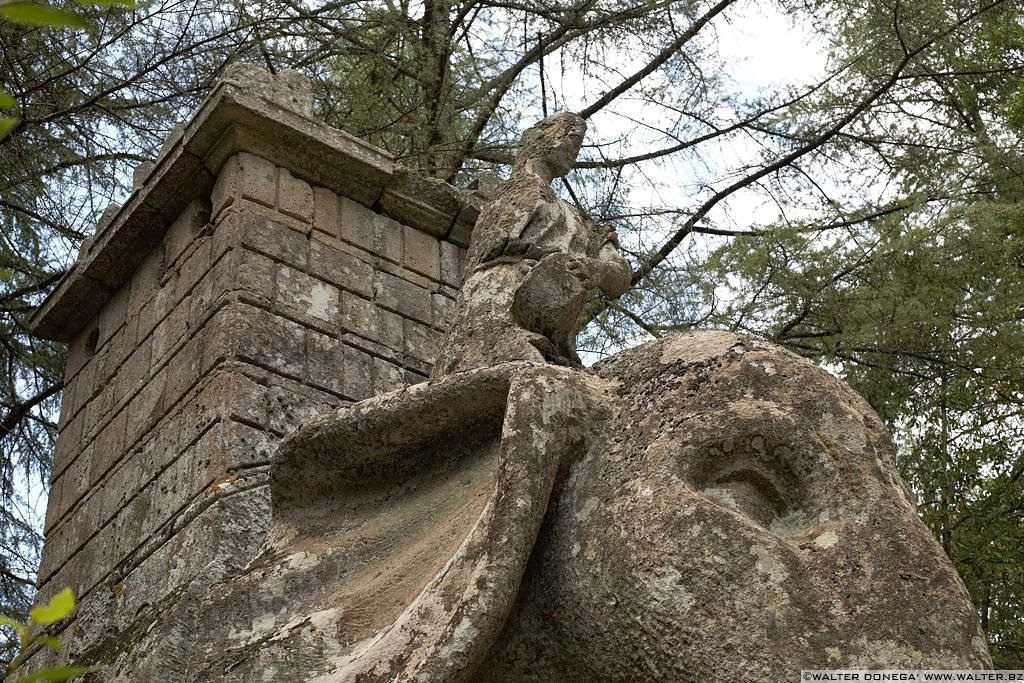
point(20, 411)
point(652, 66)
point(822, 138)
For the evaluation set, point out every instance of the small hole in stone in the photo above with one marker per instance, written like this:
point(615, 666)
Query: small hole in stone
point(92, 340)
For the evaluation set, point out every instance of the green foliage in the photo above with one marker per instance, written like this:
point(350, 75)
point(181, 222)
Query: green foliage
point(40, 14)
point(33, 14)
point(29, 637)
point(25, 259)
point(6, 123)
point(922, 316)
point(47, 16)
point(444, 86)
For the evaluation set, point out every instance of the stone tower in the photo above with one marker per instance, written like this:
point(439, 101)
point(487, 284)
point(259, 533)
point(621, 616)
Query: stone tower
point(265, 268)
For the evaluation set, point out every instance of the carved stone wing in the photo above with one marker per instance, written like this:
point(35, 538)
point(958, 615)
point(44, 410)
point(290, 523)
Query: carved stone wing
point(401, 529)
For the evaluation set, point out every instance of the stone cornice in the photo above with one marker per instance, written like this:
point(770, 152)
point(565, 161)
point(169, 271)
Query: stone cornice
point(230, 121)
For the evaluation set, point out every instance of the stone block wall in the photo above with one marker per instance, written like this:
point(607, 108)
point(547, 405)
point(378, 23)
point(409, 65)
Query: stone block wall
point(265, 303)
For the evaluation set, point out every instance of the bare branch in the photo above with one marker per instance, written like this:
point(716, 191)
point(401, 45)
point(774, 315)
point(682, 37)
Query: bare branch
point(19, 411)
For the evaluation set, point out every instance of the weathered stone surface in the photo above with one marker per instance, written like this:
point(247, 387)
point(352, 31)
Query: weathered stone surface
point(396, 553)
point(451, 264)
point(326, 212)
point(141, 173)
point(357, 374)
point(402, 297)
point(112, 317)
point(294, 197)
point(184, 229)
point(421, 342)
point(143, 624)
point(387, 238)
point(253, 115)
point(427, 204)
point(286, 87)
point(107, 217)
point(531, 261)
point(726, 511)
point(292, 404)
point(326, 261)
point(421, 253)
point(307, 295)
point(245, 176)
point(324, 356)
point(356, 223)
point(204, 329)
point(274, 239)
point(741, 519)
point(704, 500)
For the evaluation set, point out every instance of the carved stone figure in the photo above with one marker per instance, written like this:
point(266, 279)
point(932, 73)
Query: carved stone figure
point(738, 518)
point(531, 261)
point(704, 507)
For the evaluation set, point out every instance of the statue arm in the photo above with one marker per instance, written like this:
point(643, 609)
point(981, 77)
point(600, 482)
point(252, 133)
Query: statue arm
point(610, 271)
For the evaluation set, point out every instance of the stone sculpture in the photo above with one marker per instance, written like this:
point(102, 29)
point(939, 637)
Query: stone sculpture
point(737, 517)
point(703, 507)
point(532, 259)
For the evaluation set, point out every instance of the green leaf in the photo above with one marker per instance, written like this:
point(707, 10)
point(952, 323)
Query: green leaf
point(32, 14)
point(62, 605)
point(56, 673)
point(19, 627)
point(5, 126)
point(128, 4)
point(49, 641)
point(6, 100)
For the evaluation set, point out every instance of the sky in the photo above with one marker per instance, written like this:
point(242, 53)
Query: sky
point(760, 50)
point(768, 49)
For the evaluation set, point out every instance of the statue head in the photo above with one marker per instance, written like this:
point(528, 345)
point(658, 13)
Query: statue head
point(550, 147)
point(741, 518)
